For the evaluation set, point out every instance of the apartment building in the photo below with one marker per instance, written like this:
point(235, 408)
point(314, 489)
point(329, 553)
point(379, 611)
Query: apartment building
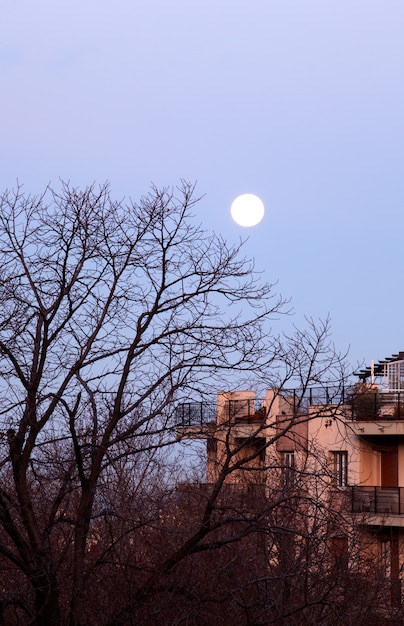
point(344, 444)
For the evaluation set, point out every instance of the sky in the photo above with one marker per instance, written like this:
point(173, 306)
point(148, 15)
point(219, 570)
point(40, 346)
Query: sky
point(300, 102)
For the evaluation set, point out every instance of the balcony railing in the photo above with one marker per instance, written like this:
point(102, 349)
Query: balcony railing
point(244, 411)
point(378, 500)
point(357, 405)
point(195, 413)
point(203, 413)
point(369, 405)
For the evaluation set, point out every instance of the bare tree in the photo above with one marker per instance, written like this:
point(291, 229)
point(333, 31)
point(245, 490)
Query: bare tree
point(110, 311)
point(112, 315)
point(282, 557)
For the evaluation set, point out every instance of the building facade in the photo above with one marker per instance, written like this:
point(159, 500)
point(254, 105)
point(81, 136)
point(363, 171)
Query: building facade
point(341, 446)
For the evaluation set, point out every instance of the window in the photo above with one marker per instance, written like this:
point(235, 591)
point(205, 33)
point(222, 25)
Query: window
point(288, 459)
point(340, 468)
point(288, 468)
point(385, 557)
point(339, 552)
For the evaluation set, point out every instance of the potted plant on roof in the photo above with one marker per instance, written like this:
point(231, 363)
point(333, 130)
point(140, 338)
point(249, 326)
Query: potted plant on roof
point(259, 415)
point(365, 402)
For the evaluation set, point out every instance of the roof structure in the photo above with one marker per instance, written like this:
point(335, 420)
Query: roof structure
point(378, 368)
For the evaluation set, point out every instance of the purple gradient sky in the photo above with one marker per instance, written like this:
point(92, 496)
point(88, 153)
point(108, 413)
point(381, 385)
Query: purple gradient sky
point(299, 102)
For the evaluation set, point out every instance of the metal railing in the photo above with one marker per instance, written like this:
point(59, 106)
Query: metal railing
point(375, 405)
point(378, 500)
point(244, 410)
point(356, 405)
point(195, 413)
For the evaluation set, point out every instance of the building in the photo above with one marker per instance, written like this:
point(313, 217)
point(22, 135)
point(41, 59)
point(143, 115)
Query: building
point(345, 445)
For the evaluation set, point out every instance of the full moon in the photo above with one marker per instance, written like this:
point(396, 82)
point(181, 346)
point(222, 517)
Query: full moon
point(247, 209)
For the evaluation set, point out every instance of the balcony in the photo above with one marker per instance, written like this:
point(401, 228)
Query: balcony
point(356, 404)
point(195, 414)
point(377, 414)
point(199, 419)
point(244, 412)
point(382, 505)
point(375, 405)
point(204, 413)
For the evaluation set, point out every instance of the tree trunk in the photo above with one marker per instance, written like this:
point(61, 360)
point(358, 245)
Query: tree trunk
point(47, 609)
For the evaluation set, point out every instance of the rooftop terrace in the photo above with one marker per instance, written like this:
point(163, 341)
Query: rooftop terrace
point(357, 403)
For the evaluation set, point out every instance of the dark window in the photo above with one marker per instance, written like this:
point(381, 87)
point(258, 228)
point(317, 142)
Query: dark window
point(339, 552)
point(288, 468)
point(340, 468)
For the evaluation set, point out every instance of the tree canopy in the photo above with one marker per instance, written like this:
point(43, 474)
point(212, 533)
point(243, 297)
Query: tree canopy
point(111, 314)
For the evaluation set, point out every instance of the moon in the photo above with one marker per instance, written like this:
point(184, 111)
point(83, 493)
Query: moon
point(247, 210)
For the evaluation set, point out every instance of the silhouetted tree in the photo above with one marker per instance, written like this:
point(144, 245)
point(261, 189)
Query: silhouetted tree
point(109, 310)
point(112, 313)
